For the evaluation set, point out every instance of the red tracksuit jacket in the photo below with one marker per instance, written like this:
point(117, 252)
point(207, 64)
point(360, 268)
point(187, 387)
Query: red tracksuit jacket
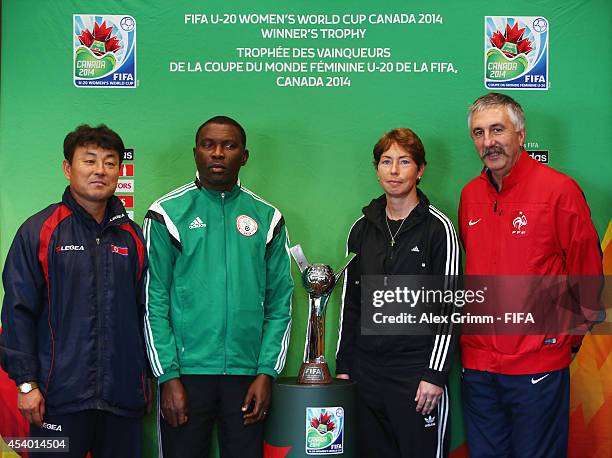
point(538, 225)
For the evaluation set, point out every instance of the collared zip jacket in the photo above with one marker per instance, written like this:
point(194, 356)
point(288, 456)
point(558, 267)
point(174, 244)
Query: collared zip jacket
point(426, 245)
point(538, 225)
point(219, 286)
point(73, 309)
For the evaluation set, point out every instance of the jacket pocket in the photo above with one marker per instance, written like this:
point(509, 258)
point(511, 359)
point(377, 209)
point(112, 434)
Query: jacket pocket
point(199, 323)
point(245, 335)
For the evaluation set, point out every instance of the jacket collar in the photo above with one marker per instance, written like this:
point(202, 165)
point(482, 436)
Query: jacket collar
point(115, 214)
point(376, 214)
point(518, 172)
point(227, 195)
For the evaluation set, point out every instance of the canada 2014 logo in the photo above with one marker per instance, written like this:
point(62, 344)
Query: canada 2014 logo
point(516, 52)
point(324, 430)
point(104, 48)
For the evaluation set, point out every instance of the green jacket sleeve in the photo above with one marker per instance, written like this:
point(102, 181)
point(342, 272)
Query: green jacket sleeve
point(277, 305)
point(162, 249)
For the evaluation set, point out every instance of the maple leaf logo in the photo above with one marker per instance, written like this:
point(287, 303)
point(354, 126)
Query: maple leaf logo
point(512, 43)
point(101, 41)
point(323, 424)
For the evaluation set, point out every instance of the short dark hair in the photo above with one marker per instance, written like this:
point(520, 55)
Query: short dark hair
point(219, 119)
point(405, 139)
point(101, 136)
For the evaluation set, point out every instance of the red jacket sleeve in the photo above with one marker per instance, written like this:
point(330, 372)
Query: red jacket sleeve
point(581, 250)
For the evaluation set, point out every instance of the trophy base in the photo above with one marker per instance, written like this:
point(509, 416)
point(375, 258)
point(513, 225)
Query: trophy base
point(314, 374)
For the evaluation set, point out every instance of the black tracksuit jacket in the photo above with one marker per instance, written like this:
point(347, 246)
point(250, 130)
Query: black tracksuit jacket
point(438, 254)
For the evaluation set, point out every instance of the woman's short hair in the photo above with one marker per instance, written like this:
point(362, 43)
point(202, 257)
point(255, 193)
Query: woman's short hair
point(404, 138)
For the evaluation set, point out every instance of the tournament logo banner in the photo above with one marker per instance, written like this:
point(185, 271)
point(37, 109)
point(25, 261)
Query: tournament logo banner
point(104, 48)
point(516, 52)
point(324, 430)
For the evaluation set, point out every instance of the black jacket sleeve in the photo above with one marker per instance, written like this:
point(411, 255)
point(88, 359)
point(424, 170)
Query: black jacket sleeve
point(24, 292)
point(350, 310)
point(446, 262)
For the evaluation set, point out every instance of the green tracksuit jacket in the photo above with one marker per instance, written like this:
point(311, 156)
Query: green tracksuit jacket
point(218, 292)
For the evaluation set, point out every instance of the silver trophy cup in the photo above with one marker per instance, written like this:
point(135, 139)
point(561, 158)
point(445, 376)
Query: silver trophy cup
point(319, 281)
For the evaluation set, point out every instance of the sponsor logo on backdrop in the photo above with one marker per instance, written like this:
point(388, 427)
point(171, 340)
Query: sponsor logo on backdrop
point(128, 154)
point(104, 50)
point(324, 430)
point(125, 186)
point(126, 170)
point(516, 52)
point(539, 155)
point(127, 201)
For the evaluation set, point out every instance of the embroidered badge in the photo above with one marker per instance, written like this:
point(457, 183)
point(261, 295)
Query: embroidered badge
point(519, 225)
point(121, 250)
point(246, 225)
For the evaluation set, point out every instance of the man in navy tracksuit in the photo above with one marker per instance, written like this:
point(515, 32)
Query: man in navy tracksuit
point(72, 314)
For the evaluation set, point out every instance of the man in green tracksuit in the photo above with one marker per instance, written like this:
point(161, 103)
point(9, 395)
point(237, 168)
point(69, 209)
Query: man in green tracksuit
point(218, 301)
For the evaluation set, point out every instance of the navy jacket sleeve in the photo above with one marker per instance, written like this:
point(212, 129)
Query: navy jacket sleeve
point(24, 293)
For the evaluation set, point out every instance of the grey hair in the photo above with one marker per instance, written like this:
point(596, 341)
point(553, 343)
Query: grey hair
point(495, 99)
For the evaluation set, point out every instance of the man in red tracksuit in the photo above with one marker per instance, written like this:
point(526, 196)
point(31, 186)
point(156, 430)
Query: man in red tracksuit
point(521, 218)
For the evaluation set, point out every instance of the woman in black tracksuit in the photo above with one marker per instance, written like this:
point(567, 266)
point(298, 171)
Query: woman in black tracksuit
point(402, 397)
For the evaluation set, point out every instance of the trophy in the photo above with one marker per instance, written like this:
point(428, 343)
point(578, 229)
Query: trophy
point(319, 281)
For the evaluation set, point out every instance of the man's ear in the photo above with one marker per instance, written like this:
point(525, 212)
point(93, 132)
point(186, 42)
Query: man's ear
point(245, 157)
point(522, 136)
point(67, 169)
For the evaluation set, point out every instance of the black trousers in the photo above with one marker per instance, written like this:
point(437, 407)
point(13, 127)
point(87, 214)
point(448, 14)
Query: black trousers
point(102, 433)
point(387, 423)
point(210, 399)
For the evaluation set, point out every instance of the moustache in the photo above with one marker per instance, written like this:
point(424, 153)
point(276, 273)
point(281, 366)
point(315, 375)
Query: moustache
point(493, 150)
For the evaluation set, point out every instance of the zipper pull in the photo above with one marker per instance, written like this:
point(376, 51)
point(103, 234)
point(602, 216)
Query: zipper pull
point(495, 207)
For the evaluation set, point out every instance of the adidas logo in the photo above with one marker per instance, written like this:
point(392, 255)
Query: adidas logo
point(416, 249)
point(430, 421)
point(197, 223)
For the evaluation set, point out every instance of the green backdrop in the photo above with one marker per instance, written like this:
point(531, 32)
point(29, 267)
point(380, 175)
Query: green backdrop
point(310, 146)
